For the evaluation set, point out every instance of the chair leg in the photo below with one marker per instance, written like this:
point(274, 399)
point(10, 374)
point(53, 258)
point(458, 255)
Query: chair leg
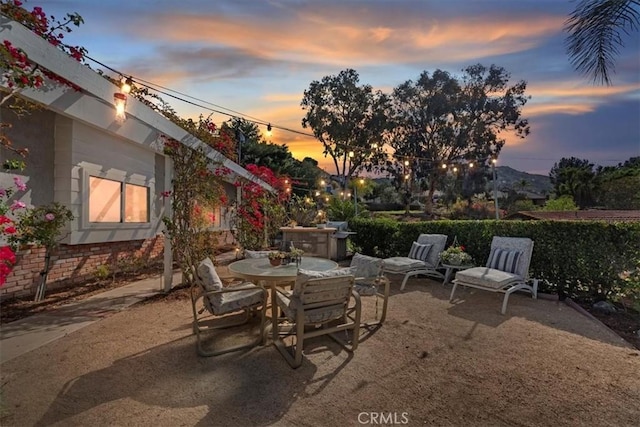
point(406, 277)
point(453, 291)
point(504, 303)
point(297, 361)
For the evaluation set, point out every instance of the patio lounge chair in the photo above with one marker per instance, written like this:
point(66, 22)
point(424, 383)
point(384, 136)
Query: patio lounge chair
point(225, 306)
point(422, 259)
point(318, 306)
point(507, 270)
point(370, 281)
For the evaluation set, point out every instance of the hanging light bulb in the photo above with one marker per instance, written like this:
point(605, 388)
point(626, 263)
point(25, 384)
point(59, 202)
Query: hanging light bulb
point(351, 154)
point(406, 162)
point(444, 166)
point(125, 87)
point(471, 164)
point(455, 169)
point(120, 100)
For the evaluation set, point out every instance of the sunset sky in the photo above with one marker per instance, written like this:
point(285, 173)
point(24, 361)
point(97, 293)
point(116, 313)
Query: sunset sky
point(258, 57)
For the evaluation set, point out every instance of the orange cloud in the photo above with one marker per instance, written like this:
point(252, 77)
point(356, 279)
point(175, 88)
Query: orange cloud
point(576, 88)
point(559, 108)
point(358, 42)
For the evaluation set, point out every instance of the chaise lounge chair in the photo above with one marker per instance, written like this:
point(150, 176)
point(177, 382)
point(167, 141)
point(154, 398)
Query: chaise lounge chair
point(507, 270)
point(422, 259)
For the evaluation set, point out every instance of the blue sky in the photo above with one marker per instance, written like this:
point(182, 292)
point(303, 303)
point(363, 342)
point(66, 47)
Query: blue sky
point(258, 57)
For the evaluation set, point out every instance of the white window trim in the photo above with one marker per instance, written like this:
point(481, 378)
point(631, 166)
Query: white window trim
point(118, 177)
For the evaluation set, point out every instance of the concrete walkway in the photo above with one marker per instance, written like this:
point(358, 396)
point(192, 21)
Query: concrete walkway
point(24, 335)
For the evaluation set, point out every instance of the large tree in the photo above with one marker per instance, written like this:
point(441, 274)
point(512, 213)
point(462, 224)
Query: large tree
point(348, 119)
point(254, 149)
point(595, 30)
point(576, 178)
point(441, 119)
point(619, 186)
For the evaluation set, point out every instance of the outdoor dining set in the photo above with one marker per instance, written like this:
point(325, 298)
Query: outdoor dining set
point(314, 296)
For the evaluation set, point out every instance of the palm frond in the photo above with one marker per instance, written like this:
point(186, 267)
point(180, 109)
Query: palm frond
point(595, 30)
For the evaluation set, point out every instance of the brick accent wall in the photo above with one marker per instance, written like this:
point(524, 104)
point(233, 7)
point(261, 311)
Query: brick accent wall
point(77, 263)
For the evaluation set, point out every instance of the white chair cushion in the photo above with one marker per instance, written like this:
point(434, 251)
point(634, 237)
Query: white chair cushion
point(365, 265)
point(319, 315)
point(365, 289)
point(208, 275)
point(487, 277)
point(420, 251)
point(402, 264)
point(229, 302)
point(305, 275)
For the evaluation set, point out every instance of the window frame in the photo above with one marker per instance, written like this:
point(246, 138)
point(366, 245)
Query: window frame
point(123, 179)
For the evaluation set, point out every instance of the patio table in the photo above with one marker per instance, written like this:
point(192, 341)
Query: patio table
point(260, 270)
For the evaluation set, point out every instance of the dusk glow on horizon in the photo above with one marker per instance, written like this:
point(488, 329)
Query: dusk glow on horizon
point(257, 58)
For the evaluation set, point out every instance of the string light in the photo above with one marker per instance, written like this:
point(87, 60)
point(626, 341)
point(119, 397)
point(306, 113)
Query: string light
point(120, 101)
point(126, 85)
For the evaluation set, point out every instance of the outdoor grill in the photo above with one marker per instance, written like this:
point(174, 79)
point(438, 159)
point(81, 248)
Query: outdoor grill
point(339, 238)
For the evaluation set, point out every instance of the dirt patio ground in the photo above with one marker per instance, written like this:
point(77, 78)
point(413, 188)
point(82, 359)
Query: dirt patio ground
point(432, 363)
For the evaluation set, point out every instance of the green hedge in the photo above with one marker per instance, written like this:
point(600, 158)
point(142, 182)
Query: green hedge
point(582, 259)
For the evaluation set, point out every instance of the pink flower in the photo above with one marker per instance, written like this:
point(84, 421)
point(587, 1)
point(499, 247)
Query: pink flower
point(10, 229)
point(19, 184)
point(17, 204)
point(165, 194)
point(49, 216)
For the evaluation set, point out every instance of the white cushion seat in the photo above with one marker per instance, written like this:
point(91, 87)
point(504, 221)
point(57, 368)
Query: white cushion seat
point(229, 302)
point(401, 264)
point(487, 277)
point(507, 270)
point(365, 289)
point(320, 315)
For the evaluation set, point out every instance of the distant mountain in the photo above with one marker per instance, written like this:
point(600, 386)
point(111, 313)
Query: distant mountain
point(509, 178)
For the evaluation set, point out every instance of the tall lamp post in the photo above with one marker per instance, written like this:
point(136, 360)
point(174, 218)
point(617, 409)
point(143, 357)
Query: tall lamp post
point(495, 187)
point(359, 181)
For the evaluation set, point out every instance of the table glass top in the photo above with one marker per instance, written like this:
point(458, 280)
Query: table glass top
point(260, 267)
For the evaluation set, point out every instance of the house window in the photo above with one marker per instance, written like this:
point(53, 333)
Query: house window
point(105, 200)
point(136, 203)
point(108, 202)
